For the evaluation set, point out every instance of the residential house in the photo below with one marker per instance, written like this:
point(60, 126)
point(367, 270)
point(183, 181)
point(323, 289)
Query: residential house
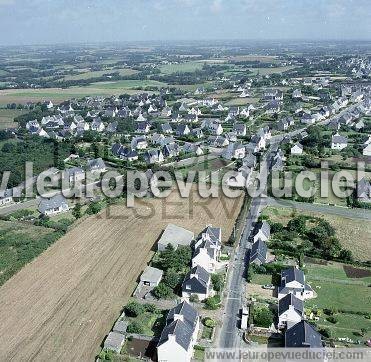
point(166, 128)
point(242, 177)
point(153, 156)
point(258, 253)
point(285, 123)
point(297, 149)
point(194, 148)
point(234, 151)
point(197, 132)
point(74, 174)
point(293, 281)
point(143, 127)
point(303, 334)
point(6, 197)
point(139, 143)
point(124, 153)
point(179, 334)
point(53, 205)
point(182, 130)
point(197, 282)
point(97, 125)
point(364, 190)
point(290, 311)
point(240, 129)
point(96, 166)
point(338, 142)
point(218, 141)
point(206, 256)
point(170, 150)
point(262, 231)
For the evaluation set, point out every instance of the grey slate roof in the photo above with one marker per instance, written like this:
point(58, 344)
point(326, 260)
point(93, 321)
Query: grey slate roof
point(196, 281)
point(259, 251)
point(151, 274)
point(182, 328)
point(96, 164)
point(303, 334)
point(290, 299)
point(51, 203)
point(292, 274)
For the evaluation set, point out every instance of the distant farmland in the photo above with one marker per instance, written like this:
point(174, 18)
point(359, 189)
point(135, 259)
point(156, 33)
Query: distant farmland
point(61, 306)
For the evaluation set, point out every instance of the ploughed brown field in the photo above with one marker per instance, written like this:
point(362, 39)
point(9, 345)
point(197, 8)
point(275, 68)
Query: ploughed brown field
point(62, 305)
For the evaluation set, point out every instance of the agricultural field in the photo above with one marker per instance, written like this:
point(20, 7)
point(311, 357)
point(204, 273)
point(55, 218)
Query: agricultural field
point(7, 117)
point(181, 67)
point(76, 289)
point(58, 95)
point(342, 291)
point(268, 70)
point(88, 74)
point(353, 234)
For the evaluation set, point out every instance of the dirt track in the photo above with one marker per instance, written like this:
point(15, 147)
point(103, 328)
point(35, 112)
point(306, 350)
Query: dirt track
point(61, 306)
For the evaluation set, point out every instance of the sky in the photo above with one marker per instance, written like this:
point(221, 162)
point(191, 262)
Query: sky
point(25, 22)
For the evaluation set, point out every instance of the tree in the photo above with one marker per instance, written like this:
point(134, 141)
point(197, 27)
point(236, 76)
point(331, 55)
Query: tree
point(297, 224)
point(276, 227)
point(346, 255)
point(171, 278)
point(217, 280)
point(76, 211)
point(162, 291)
point(263, 317)
point(133, 309)
point(93, 208)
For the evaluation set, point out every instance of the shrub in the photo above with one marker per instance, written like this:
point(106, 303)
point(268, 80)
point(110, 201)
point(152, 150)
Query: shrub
point(325, 332)
point(162, 291)
point(212, 303)
point(217, 280)
point(208, 322)
point(332, 319)
point(133, 309)
point(135, 327)
point(262, 317)
point(194, 298)
point(151, 308)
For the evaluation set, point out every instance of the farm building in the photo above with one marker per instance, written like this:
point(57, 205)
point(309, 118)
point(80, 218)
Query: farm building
point(114, 342)
point(151, 276)
point(175, 235)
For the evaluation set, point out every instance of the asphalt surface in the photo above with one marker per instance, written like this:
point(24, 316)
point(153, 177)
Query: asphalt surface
point(229, 336)
point(325, 209)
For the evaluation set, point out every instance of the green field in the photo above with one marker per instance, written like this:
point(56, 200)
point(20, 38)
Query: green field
point(7, 117)
point(268, 71)
point(20, 242)
point(86, 74)
point(335, 290)
point(181, 68)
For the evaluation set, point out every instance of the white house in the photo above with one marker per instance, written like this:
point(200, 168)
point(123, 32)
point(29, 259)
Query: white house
point(206, 256)
point(293, 281)
point(242, 177)
point(234, 151)
point(179, 334)
point(290, 311)
point(297, 149)
point(338, 142)
point(6, 197)
point(262, 231)
point(367, 150)
point(53, 205)
point(197, 283)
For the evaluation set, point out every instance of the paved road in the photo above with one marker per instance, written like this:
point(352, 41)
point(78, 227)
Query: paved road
point(326, 209)
point(236, 283)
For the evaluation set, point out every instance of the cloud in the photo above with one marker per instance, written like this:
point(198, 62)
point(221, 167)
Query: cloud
point(216, 6)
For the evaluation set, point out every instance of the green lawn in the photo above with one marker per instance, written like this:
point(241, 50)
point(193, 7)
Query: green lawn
point(86, 74)
point(152, 323)
point(261, 279)
point(346, 326)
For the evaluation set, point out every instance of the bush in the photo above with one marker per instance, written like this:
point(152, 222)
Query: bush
point(217, 280)
point(150, 308)
point(135, 327)
point(277, 227)
point(208, 322)
point(325, 332)
point(212, 303)
point(262, 317)
point(162, 291)
point(133, 309)
point(332, 319)
point(194, 298)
